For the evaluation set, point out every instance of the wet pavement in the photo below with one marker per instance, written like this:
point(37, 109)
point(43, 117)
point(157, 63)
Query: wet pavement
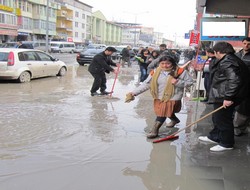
point(55, 136)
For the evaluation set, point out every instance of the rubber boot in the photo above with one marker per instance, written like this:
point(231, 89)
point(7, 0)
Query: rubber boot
point(154, 131)
point(173, 122)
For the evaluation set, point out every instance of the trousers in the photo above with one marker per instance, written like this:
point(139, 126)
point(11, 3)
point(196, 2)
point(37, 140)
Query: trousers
point(223, 131)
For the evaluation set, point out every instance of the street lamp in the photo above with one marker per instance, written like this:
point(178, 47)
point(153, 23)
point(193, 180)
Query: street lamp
point(136, 14)
point(47, 26)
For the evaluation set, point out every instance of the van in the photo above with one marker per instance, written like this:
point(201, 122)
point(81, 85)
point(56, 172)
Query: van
point(62, 47)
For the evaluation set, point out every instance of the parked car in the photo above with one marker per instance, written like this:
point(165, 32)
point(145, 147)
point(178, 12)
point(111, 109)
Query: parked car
point(79, 48)
point(85, 57)
point(29, 45)
point(62, 47)
point(96, 46)
point(26, 64)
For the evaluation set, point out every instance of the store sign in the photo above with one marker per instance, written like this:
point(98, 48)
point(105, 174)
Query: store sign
point(194, 38)
point(69, 39)
point(8, 32)
point(224, 29)
point(5, 8)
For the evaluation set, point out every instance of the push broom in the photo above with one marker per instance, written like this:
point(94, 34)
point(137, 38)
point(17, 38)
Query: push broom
point(113, 86)
point(175, 136)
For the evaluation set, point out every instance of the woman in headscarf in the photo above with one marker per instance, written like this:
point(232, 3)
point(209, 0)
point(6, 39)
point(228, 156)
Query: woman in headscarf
point(166, 84)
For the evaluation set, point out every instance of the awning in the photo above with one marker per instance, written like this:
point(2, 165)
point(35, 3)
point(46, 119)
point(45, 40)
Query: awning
point(23, 33)
point(228, 7)
point(8, 32)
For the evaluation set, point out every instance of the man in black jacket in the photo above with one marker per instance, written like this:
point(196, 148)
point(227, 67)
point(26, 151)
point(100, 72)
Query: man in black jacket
point(242, 114)
point(230, 80)
point(100, 65)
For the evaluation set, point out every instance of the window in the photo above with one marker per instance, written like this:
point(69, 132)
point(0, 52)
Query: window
point(29, 56)
point(4, 56)
point(43, 56)
point(76, 34)
point(83, 26)
point(76, 14)
point(83, 16)
point(76, 24)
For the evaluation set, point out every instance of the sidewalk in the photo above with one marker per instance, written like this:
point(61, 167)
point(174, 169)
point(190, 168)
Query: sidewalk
point(228, 170)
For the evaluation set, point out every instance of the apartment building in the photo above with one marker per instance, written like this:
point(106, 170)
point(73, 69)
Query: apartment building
point(26, 20)
point(74, 21)
point(105, 32)
point(8, 20)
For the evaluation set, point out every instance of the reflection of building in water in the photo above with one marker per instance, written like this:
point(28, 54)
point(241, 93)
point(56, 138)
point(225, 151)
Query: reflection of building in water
point(163, 170)
point(103, 118)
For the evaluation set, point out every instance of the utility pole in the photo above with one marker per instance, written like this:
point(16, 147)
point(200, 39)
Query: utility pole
point(47, 26)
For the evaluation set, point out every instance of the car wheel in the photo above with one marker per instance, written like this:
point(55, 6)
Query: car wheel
point(72, 51)
point(24, 77)
point(59, 51)
point(62, 72)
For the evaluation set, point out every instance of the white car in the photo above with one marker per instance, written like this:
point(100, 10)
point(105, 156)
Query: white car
point(27, 64)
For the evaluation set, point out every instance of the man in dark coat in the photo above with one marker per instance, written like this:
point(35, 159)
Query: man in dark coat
point(211, 60)
point(21, 45)
point(230, 80)
point(100, 65)
point(126, 56)
point(242, 114)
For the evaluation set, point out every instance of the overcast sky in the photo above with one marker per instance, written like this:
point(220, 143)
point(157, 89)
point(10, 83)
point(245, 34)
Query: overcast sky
point(166, 16)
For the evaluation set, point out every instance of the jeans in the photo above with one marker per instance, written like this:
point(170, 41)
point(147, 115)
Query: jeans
point(144, 74)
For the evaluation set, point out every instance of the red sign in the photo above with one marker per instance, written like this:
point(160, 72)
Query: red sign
point(194, 38)
point(69, 39)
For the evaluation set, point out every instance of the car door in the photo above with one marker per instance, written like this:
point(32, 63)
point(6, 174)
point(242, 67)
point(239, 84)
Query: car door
point(32, 62)
point(50, 67)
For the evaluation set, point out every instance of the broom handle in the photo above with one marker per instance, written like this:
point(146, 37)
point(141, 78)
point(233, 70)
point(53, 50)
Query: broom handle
point(205, 116)
point(116, 75)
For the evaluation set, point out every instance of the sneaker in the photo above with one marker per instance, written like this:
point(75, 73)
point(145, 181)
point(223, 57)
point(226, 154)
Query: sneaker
point(95, 94)
point(206, 139)
point(219, 148)
point(105, 93)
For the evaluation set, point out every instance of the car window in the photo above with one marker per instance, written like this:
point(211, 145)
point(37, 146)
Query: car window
point(29, 56)
point(43, 56)
point(4, 56)
point(21, 56)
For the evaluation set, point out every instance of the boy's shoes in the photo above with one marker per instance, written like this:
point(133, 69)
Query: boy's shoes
point(105, 93)
point(206, 139)
point(219, 148)
point(95, 94)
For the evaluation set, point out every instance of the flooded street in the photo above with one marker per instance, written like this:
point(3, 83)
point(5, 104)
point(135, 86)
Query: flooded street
point(55, 136)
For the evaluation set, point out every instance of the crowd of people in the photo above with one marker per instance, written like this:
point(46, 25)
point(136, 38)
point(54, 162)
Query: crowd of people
point(226, 76)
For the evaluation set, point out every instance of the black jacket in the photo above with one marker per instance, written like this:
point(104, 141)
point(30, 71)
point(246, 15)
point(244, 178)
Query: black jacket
point(244, 107)
point(244, 57)
point(230, 80)
point(101, 63)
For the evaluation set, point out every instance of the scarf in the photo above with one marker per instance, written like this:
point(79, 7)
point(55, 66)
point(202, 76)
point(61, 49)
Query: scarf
point(169, 88)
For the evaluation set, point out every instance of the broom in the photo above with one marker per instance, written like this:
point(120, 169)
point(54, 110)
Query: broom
point(173, 136)
point(113, 86)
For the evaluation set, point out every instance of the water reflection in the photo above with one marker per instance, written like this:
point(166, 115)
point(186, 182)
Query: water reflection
point(103, 118)
point(163, 170)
